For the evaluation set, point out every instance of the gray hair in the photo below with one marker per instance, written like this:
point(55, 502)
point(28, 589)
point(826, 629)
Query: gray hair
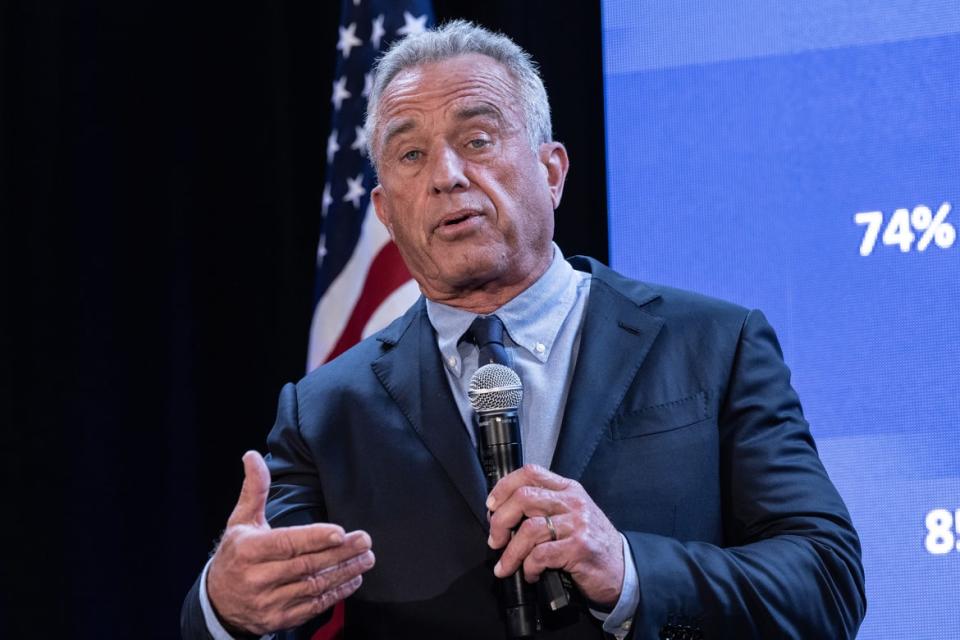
point(457, 38)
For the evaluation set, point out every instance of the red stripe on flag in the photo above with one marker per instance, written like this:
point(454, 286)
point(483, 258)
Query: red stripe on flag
point(387, 272)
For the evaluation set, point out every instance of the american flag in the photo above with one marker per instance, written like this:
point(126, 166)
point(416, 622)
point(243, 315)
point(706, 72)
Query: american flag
point(362, 284)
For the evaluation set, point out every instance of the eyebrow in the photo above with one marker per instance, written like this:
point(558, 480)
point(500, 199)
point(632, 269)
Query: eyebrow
point(397, 128)
point(466, 113)
point(474, 111)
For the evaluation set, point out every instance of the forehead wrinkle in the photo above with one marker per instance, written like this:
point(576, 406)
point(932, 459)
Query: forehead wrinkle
point(419, 90)
point(461, 108)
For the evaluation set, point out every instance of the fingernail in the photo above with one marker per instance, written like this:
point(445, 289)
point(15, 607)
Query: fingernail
point(336, 538)
point(497, 569)
point(490, 502)
point(362, 542)
point(368, 559)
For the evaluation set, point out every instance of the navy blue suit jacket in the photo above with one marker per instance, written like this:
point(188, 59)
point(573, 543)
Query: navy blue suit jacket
point(681, 425)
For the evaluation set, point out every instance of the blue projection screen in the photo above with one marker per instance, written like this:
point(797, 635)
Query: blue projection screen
point(804, 159)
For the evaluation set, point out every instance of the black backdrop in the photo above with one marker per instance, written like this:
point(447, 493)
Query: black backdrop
point(161, 165)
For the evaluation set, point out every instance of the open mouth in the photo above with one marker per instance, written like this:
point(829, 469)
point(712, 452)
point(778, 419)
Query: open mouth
point(458, 218)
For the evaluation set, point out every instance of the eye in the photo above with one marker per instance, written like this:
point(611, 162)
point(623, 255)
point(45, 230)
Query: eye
point(411, 156)
point(478, 143)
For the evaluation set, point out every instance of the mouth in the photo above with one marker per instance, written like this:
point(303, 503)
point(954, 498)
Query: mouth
point(459, 225)
point(457, 218)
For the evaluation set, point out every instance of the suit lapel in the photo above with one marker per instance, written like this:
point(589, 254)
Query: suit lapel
point(413, 375)
point(615, 340)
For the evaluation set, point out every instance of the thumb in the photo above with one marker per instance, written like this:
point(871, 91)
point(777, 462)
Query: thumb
point(253, 495)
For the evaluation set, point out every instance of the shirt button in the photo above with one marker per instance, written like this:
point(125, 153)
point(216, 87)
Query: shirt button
point(540, 348)
point(452, 361)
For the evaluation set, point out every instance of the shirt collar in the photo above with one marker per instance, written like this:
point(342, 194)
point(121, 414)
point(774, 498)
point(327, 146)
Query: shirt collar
point(532, 319)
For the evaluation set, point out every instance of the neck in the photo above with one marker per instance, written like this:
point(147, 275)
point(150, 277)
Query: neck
point(487, 297)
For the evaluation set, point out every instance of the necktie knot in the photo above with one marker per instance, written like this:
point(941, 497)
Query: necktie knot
point(487, 333)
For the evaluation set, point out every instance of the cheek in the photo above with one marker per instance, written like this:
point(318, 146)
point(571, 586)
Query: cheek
point(408, 234)
point(528, 203)
point(405, 236)
point(507, 189)
point(400, 215)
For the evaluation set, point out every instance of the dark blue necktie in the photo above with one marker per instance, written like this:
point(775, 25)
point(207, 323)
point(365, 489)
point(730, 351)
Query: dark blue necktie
point(487, 333)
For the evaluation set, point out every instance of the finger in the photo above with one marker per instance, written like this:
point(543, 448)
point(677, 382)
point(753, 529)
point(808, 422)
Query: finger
point(316, 584)
point(527, 501)
point(279, 572)
point(528, 474)
point(305, 609)
point(549, 555)
point(251, 504)
point(285, 543)
point(532, 533)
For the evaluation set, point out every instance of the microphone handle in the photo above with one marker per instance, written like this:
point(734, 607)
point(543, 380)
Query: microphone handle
point(501, 453)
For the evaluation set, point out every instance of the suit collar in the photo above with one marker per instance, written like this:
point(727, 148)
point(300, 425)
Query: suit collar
point(393, 332)
point(412, 373)
point(616, 336)
point(639, 293)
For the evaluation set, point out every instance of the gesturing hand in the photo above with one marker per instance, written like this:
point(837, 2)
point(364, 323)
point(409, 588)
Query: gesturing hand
point(564, 530)
point(263, 579)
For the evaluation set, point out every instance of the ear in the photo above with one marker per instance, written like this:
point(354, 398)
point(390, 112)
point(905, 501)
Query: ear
point(553, 157)
point(380, 207)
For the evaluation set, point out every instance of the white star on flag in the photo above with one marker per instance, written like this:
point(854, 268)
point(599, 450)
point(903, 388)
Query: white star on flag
point(327, 199)
point(332, 146)
point(348, 39)
point(340, 92)
point(411, 25)
point(355, 190)
point(360, 144)
point(378, 31)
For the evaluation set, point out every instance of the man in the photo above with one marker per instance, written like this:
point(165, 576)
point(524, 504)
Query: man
point(685, 496)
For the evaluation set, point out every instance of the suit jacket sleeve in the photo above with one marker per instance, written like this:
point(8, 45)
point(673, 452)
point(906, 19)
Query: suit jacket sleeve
point(192, 624)
point(790, 566)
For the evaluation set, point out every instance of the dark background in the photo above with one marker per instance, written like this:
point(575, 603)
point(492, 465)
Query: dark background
point(161, 166)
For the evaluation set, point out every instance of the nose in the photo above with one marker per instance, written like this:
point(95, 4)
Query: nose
point(448, 172)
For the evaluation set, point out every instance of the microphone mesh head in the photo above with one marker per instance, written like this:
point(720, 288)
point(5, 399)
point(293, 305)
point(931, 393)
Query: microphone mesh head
point(495, 387)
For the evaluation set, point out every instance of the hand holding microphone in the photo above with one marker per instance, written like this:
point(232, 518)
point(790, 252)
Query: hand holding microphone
point(586, 545)
point(542, 521)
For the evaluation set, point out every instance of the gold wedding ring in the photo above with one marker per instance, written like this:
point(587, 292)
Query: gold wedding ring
point(553, 530)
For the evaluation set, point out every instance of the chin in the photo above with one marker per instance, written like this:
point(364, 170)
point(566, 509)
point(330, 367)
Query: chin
point(472, 279)
point(476, 272)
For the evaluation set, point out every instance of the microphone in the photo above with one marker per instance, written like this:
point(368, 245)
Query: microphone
point(495, 394)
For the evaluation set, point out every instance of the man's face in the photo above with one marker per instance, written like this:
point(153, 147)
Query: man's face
point(465, 197)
